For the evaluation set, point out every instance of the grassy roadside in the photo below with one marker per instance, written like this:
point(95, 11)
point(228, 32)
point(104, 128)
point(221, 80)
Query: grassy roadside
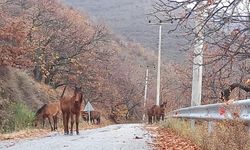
point(18, 117)
point(225, 135)
point(19, 124)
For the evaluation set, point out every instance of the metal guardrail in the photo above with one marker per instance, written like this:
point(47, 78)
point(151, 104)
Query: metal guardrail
point(220, 111)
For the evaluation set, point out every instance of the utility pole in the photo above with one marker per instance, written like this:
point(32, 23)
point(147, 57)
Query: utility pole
point(158, 86)
point(197, 64)
point(145, 95)
point(159, 69)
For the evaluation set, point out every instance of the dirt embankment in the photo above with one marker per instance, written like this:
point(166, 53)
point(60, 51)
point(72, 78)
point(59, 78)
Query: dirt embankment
point(17, 86)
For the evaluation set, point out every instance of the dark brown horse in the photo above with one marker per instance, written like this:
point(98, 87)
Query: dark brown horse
point(94, 115)
point(151, 114)
point(49, 111)
point(225, 94)
point(70, 107)
point(156, 113)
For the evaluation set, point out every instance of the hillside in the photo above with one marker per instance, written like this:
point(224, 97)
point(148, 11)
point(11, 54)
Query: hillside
point(53, 46)
point(129, 20)
point(18, 86)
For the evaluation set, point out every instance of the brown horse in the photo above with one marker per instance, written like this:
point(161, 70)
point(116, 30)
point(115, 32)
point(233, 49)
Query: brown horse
point(225, 94)
point(70, 107)
point(150, 113)
point(94, 115)
point(49, 111)
point(156, 113)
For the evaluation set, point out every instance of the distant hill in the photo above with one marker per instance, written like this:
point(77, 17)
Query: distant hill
point(128, 18)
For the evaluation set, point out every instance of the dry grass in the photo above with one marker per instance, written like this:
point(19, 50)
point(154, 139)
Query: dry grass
point(39, 132)
point(27, 133)
point(233, 135)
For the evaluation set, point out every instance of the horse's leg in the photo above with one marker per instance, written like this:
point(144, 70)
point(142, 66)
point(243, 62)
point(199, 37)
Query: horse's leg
point(56, 119)
point(49, 118)
point(77, 123)
point(67, 122)
point(54, 123)
point(43, 121)
point(64, 121)
point(96, 120)
point(72, 123)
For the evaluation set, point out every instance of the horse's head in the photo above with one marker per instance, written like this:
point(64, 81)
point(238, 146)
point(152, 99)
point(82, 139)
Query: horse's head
point(225, 94)
point(78, 94)
point(35, 121)
point(163, 105)
point(85, 116)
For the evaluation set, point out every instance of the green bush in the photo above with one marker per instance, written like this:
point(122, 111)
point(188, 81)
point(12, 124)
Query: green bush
point(18, 117)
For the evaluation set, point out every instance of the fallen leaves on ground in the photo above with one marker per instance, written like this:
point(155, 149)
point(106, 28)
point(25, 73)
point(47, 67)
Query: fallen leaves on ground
point(25, 134)
point(31, 133)
point(167, 139)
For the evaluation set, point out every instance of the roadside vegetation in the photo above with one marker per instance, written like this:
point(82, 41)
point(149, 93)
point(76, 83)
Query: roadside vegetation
point(19, 117)
point(225, 135)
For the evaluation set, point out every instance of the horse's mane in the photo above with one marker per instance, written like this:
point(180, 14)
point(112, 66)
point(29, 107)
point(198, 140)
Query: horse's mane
point(81, 97)
point(64, 89)
point(39, 111)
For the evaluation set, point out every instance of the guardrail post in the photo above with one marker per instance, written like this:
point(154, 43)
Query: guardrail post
point(192, 122)
point(210, 126)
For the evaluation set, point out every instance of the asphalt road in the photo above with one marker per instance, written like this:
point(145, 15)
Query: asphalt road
point(114, 137)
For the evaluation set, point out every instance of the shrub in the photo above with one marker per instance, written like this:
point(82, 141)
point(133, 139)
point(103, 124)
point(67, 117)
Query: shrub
point(17, 118)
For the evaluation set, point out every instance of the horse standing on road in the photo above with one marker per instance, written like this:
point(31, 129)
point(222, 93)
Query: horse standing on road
point(156, 113)
point(94, 115)
point(70, 107)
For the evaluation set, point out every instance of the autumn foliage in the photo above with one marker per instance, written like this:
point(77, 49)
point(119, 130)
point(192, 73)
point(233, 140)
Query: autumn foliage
point(13, 47)
point(61, 46)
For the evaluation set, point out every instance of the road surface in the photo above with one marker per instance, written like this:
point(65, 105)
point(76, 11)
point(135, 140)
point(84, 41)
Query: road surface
point(114, 137)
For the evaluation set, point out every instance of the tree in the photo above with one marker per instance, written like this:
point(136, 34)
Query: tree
point(13, 32)
point(59, 41)
point(224, 26)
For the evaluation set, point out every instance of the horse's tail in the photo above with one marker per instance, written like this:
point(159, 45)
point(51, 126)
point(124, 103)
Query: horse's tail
point(40, 110)
point(64, 89)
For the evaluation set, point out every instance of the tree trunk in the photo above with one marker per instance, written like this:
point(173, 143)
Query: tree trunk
point(37, 73)
point(38, 70)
